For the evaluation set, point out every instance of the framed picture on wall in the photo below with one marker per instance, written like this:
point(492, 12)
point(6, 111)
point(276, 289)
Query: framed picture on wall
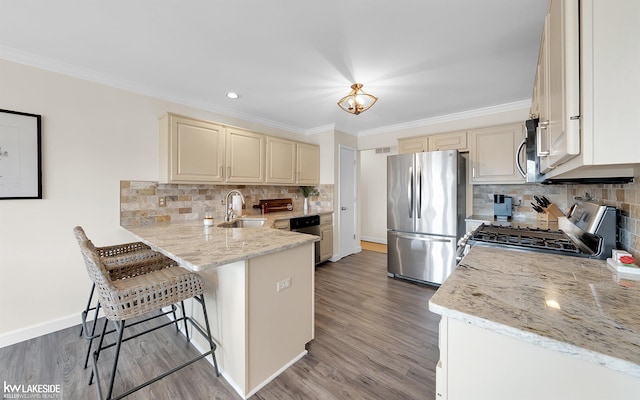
point(20, 155)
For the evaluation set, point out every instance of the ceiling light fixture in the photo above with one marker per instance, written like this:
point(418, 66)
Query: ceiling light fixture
point(233, 95)
point(357, 101)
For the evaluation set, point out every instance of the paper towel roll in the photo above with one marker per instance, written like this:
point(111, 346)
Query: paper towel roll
point(236, 204)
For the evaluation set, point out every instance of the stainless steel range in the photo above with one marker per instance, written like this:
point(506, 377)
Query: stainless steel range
point(589, 231)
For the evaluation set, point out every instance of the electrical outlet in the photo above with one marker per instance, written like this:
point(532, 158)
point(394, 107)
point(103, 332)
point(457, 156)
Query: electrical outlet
point(283, 284)
point(162, 201)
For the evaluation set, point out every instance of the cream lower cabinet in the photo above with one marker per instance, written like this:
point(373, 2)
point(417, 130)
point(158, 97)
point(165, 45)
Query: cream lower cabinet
point(245, 158)
point(326, 237)
point(308, 171)
point(261, 313)
point(492, 154)
point(477, 363)
point(191, 150)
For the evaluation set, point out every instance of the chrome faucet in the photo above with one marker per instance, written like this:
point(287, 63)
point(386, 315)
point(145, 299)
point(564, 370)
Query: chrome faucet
point(229, 208)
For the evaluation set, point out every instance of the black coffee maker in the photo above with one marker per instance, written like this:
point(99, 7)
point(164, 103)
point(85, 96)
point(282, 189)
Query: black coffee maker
point(501, 206)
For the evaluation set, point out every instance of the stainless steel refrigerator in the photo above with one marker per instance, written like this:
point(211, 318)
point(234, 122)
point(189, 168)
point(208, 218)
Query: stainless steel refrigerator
point(426, 208)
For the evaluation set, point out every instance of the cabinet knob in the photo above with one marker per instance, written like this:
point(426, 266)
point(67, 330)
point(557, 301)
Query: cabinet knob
point(343, 208)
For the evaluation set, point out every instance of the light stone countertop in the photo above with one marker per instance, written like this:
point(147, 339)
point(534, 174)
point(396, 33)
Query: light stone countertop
point(198, 248)
point(512, 292)
point(280, 215)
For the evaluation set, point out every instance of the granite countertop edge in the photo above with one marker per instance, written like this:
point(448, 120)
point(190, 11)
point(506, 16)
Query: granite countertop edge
point(198, 248)
point(505, 290)
point(611, 362)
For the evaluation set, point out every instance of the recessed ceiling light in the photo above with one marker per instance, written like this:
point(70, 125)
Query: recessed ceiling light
point(233, 95)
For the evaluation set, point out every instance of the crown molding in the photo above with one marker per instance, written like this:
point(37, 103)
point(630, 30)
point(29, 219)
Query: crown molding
point(517, 105)
point(21, 57)
point(320, 129)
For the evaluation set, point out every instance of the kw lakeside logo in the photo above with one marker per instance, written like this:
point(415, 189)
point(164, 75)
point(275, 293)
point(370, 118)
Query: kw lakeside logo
point(37, 391)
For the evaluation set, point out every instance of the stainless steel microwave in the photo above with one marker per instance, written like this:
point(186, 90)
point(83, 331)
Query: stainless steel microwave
point(531, 170)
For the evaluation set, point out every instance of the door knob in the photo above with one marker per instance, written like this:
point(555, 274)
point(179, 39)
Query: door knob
point(343, 208)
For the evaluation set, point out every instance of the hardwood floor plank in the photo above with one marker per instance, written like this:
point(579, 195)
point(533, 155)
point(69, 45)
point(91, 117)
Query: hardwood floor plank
point(375, 339)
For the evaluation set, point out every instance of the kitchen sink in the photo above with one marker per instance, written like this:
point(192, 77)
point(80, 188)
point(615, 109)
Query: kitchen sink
point(244, 223)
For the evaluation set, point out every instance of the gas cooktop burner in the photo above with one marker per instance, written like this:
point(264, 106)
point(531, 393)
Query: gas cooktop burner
point(533, 238)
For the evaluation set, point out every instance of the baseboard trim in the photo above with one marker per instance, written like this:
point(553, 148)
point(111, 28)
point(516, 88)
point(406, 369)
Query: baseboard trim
point(373, 239)
point(44, 328)
point(275, 374)
point(30, 332)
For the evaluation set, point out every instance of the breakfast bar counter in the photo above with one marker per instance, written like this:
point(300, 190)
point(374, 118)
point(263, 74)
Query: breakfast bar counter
point(566, 324)
point(199, 248)
point(259, 293)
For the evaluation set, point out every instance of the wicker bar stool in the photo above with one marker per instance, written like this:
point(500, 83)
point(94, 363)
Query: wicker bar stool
point(133, 297)
point(122, 261)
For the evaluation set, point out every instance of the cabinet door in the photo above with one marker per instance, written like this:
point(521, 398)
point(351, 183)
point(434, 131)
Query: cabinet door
point(281, 161)
point(611, 79)
point(492, 154)
point(191, 150)
point(308, 164)
point(413, 145)
point(326, 243)
point(245, 156)
point(562, 123)
point(448, 141)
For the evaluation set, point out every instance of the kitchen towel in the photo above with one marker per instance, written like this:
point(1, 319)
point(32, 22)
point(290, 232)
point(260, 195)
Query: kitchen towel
point(236, 204)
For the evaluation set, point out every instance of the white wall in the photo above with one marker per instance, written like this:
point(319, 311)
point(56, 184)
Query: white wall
point(93, 136)
point(373, 195)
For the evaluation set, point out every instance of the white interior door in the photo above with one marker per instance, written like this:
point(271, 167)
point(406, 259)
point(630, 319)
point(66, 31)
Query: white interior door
point(347, 201)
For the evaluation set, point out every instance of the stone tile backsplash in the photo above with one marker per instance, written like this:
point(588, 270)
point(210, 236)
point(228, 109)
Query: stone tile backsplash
point(522, 198)
point(139, 200)
point(624, 197)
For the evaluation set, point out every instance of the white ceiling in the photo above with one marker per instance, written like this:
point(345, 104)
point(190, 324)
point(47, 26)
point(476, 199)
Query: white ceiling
point(290, 60)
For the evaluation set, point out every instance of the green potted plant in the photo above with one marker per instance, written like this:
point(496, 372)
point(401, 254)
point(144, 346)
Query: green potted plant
point(306, 192)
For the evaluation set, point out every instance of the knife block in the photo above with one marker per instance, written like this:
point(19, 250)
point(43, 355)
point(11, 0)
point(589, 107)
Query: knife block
point(551, 214)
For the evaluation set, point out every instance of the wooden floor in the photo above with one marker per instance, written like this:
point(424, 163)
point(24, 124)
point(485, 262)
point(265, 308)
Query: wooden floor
point(375, 339)
point(373, 246)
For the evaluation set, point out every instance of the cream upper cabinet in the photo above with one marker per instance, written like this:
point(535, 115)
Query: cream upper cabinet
point(610, 40)
point(413, 145)
point(448, 141)
point(245, 156)
point(609, 55)
point(492, 154)
point(281, 161)
point(308, 164)
point(191, 150)
point(559, 126)
point(196, 151)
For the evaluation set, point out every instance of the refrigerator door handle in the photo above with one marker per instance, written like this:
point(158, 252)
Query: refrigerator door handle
point(421, 237)
point(419, 194)
point(410, 192)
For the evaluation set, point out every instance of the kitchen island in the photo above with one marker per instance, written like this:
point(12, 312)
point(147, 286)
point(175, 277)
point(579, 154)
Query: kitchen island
point(260, 293)
point(523, 325)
